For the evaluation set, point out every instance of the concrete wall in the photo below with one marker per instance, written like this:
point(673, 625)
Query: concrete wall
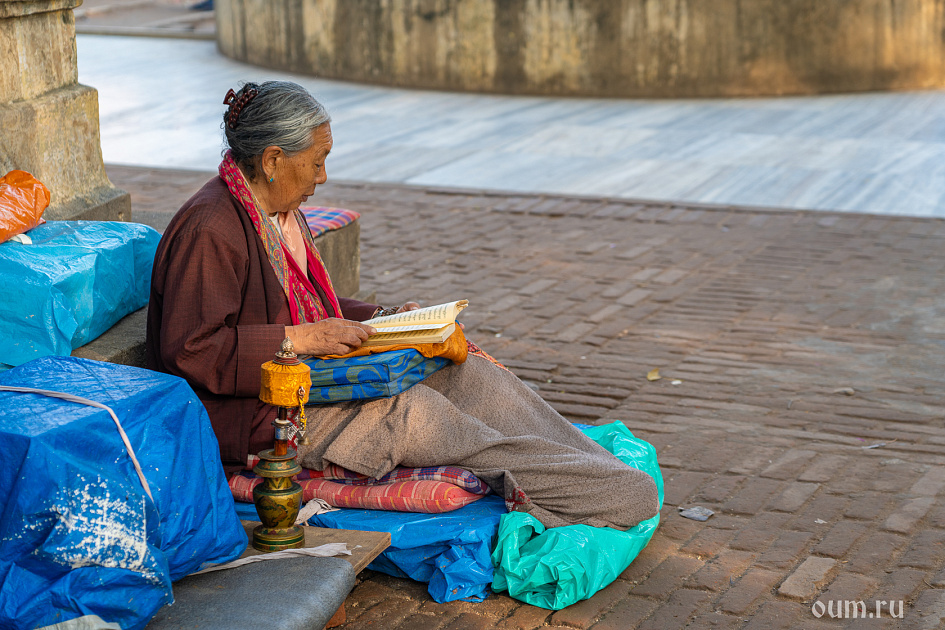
point(664, 48)
point(48, 121)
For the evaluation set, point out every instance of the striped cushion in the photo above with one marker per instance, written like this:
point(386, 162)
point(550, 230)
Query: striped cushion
point(431, 497)
point(320, 220)
point(449, 474)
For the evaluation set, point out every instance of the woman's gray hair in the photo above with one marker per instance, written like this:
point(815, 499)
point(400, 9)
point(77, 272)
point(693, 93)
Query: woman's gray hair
point(281, 114)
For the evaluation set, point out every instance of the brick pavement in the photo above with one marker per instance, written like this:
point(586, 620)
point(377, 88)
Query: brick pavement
point(788, 343)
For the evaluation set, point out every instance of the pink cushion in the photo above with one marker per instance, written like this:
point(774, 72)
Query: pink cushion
point(431, 497)
point(450, 474)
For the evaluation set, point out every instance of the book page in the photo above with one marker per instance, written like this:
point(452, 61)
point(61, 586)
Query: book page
point(441, 314)
point(400, 329)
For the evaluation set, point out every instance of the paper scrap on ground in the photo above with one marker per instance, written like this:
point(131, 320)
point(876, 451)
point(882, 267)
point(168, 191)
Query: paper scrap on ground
point(322, 551)
point(653, 375)
point(696, 513)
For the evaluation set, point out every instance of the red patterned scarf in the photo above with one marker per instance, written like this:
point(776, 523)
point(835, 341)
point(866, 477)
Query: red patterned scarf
point(304, 302)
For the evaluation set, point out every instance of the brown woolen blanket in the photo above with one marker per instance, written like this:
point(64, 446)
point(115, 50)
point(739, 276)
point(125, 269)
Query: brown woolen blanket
point(481, 417)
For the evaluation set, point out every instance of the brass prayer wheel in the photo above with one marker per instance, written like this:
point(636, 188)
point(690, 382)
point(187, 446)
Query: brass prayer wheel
point(285, 384)
point(285, 380)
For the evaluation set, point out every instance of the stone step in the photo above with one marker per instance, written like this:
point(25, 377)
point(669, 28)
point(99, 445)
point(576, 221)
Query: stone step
point(290, 594)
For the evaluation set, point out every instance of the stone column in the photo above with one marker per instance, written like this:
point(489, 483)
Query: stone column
point(48, 121)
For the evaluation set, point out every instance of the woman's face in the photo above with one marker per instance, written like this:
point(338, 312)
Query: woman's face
point(295, 177)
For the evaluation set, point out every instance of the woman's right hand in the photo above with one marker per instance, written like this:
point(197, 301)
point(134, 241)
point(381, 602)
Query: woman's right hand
point(328, 336)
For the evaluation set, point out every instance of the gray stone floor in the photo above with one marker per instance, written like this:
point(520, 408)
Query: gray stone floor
point(160, 104)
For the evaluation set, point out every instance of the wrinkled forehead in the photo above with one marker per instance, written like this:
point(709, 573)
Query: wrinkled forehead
point(322, 138)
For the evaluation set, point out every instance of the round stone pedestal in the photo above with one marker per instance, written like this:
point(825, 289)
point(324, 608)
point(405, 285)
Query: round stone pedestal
point(625, 48)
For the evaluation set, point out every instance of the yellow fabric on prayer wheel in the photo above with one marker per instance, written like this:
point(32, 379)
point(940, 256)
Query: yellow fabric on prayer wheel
point(281, 383)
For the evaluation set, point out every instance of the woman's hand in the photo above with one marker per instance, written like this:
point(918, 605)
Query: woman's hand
point(328, 336)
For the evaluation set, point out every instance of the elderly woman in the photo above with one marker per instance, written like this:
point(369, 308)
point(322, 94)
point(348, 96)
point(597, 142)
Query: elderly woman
point(237, 271)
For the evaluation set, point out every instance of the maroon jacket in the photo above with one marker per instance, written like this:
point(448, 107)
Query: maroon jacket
point(217, 312)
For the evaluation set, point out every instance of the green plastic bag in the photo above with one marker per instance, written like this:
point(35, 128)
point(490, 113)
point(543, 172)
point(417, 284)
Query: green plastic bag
point(558, 567)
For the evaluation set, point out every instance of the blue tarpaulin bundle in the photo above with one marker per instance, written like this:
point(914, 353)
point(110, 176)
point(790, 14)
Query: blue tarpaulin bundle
point(78, 534)
point(450, 551)
point(75, 281)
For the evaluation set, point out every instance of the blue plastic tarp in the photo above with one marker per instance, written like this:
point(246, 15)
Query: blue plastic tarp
point(74, 282)
point(449, 551)
point(78, 534)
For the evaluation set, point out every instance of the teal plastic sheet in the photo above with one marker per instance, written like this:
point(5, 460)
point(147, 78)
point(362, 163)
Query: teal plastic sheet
point(557, 567)
point(78, 533)
point(74, 282)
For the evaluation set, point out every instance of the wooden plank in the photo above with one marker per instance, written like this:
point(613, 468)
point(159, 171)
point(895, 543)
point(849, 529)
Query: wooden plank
point(364, 546)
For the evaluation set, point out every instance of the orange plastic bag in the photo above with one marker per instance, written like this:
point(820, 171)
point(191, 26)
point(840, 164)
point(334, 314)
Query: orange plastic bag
point(23, 199)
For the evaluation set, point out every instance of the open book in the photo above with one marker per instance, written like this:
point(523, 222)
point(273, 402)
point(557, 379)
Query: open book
point(433, 324)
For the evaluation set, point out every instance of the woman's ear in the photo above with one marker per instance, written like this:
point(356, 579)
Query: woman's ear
point(269, 161)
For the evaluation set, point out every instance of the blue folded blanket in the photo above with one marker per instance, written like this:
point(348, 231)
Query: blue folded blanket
point(380, 375)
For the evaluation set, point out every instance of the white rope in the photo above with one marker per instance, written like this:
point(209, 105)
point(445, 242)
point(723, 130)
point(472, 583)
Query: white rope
point(327, 550)
point(91, 403)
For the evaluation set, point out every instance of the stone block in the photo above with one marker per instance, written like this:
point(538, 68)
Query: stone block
point(48, 122)
point(341, 252)
point(56, 138)
point(721, 572)
point(928, 611)
point(19, 8)
point(307, 592)
point(583, 614)
point(808, 578)
point(37, 48)
point(675, 613)
point(123, 343)
point(749, 591)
